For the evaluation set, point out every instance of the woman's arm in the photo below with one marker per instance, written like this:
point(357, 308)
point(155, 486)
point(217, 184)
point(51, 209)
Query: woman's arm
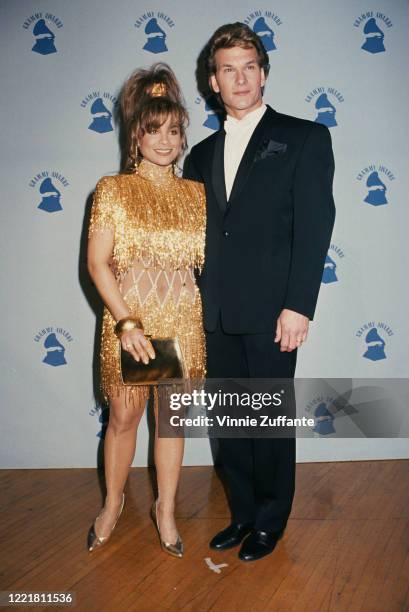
point(100, 246)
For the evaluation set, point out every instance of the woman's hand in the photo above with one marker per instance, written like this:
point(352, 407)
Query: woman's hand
point(135, 342)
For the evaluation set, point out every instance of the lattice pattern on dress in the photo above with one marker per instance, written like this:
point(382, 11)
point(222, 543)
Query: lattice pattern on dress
point(163, 282)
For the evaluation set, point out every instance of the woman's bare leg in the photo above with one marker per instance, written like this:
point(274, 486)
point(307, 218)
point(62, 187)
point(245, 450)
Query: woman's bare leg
point(168, 461)
point(119, 451)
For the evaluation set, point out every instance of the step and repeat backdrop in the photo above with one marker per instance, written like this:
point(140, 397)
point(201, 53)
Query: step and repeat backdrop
point(343, 64)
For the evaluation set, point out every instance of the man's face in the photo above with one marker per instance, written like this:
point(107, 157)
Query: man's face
point(238, 80)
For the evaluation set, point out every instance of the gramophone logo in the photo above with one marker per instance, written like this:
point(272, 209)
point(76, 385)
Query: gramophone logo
point(373, 25)
point(264, 23)
point(325, 101)
point(375, 337)
point(213, 116)
point(100, 108)
point(49, 186)
point(331, 265)
point(376, 180)
point(322, 408)
point(154, 27)
point(44, 26)
point(53, 342)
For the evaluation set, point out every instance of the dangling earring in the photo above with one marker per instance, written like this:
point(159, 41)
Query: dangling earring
point(136, 164)
point(176, 169)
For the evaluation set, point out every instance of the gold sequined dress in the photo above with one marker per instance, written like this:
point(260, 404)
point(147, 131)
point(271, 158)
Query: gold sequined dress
point(158, 226)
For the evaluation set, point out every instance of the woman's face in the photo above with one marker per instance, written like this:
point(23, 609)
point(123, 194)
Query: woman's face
point(163, 145)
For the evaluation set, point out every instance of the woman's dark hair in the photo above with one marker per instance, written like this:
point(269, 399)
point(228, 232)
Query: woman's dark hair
point(147, 99)
point(235, 35)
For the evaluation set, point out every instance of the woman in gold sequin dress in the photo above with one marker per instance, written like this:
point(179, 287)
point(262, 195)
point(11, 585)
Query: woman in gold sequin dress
point(146, 238)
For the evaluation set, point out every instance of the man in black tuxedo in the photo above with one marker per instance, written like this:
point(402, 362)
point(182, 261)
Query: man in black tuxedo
point(270, 212)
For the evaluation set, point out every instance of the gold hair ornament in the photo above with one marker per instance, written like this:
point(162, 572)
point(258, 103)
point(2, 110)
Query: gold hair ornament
point(158, 90)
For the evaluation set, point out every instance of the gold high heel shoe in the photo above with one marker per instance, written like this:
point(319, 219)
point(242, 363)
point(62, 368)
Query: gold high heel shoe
point(176, 550)
point(95, 541)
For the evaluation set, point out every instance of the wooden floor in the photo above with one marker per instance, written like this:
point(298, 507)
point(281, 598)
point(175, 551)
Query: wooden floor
point(345, 547)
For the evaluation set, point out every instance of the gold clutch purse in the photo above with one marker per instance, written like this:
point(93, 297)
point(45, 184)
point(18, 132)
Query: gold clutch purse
point(168, 364)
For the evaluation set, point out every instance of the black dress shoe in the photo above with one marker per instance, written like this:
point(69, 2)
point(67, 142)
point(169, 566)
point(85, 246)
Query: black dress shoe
point(259, 544)
point(231, 536)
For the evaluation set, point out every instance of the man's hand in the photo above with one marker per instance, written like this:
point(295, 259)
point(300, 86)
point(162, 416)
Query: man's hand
point(292, 330)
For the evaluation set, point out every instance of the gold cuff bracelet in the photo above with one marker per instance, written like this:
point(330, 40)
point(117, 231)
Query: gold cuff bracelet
point(126, 324)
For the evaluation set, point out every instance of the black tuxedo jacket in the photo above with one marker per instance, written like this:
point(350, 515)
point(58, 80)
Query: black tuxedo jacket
point(266, 245)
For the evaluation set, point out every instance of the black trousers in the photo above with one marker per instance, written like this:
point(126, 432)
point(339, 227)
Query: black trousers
point(260, 473)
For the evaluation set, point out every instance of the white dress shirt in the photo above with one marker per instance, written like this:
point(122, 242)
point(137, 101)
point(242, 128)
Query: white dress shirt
point(238, 134)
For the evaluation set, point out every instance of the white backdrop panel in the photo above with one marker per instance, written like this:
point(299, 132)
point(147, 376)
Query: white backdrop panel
point(49, 415)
